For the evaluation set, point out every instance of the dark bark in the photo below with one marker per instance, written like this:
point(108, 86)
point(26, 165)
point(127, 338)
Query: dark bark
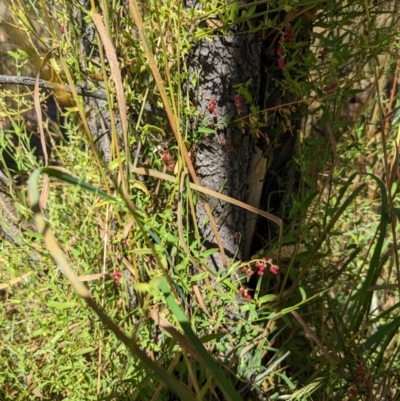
point(283, 117)
point(223, 160)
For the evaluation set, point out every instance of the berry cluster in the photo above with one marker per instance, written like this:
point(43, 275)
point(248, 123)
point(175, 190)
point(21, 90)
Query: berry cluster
point(360, 379)
point(287, 37)
point(117, 276)
point(167, 159)
point(238, 103)
point(322, 54)
point(244, 293)
point(330, 88)
point(212, 106)
point(281, 63)
point(260, 267)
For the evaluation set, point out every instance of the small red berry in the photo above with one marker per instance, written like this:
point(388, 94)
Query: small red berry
point(281, 63)
point(117, 276)
point(238, 102)
point(274, 269)
point(288, 35)
point(247, 296)
point(353, 391)
point(212, 106)
point(166, 157)
point(330, 88)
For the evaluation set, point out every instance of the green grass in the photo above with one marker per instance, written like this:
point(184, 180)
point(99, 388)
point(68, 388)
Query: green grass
point(149, 320)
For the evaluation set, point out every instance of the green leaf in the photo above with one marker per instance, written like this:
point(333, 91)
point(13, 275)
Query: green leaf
point(72, 180)
point(389, 329)
point(251, 10)
point(267, 298)
point(306, 156)
point(115, 163)
point(61, 305)
point(361, 308)
point(212, 336)
point(234, 11)
point(205, 130)
point(154, 128)
point(83, 351)
point(228, 283)
point(199, 277)
point(209, 252)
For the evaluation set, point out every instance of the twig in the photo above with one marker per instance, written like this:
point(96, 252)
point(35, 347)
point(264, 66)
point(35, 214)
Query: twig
point(96, 94)
point(28, 81)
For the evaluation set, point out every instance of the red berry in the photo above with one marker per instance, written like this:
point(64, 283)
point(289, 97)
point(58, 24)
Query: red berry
point(281, 63)
point(353, 391)
point(330, 88)
point(238, 102)
point(117, 276)
point(274, 269)
point(212, 106)
point(166, 157)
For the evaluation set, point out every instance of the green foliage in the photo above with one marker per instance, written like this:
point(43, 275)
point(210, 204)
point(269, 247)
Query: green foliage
point(152, 321)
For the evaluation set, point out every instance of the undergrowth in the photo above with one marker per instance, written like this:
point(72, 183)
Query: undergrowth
point(116, 234)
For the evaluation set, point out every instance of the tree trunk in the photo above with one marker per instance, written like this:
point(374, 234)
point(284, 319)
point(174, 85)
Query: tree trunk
point(223, 159)
point(233, 160)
